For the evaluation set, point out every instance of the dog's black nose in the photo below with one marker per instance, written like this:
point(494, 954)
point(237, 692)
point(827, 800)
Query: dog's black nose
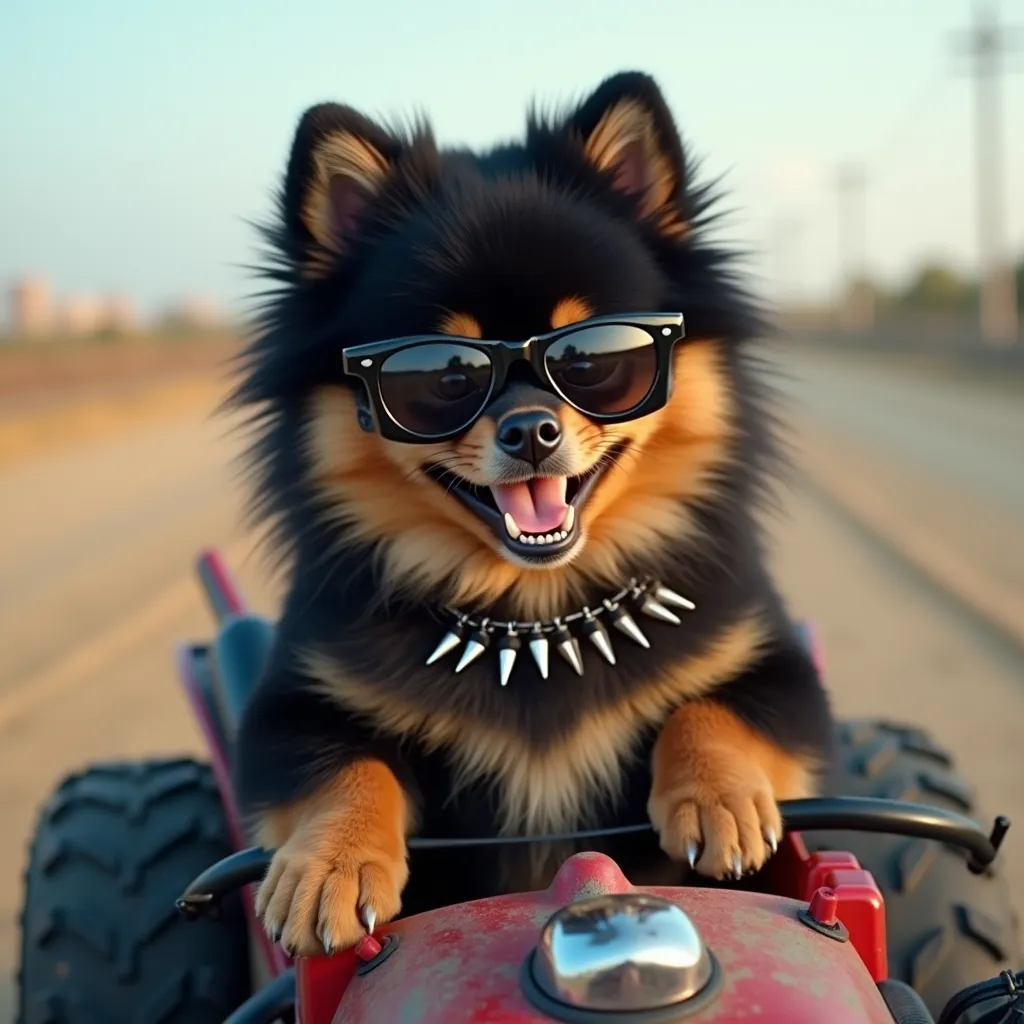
point(531, 435)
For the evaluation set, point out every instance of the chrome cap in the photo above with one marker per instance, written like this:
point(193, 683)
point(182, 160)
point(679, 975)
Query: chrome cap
point(624, 952)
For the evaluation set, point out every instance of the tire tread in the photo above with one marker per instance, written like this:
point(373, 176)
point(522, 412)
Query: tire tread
point(101, 938)
point(946, 928)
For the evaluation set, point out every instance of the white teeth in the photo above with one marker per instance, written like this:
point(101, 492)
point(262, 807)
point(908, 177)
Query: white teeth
point(570, 518)
point(510, 524)
point(534, 538)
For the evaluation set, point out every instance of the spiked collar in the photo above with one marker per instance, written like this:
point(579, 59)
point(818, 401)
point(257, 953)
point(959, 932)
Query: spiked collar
point(474, 634)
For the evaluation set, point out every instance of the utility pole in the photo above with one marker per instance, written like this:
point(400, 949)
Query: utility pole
point(787, 238)
point(857, 302)
point(986, 43)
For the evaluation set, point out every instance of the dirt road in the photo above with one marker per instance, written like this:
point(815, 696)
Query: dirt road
point(97, 540)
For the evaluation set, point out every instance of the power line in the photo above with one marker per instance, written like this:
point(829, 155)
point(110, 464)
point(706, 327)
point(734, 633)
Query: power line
point(901, 131)
point(986, 44)
point(852, 182)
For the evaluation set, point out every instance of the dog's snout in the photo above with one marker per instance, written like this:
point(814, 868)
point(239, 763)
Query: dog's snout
point(531, 435)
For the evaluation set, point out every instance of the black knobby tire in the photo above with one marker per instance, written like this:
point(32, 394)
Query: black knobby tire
point(102, 942)
point(946, 927)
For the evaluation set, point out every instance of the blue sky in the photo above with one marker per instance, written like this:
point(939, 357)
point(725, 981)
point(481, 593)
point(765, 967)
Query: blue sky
point(138, 138)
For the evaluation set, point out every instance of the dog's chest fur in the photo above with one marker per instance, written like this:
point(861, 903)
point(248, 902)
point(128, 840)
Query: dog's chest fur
point(555, 756)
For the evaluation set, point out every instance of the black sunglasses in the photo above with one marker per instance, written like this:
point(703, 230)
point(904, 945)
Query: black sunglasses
point(429, 388)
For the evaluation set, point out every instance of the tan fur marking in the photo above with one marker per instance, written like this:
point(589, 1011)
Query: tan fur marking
point(463, 325)
point(360, 786)
point(570, 310)
point(626, 123)
point(677, 453)
point(550, 789)
point(338, 848)
point(347, 155)
point(716, 784)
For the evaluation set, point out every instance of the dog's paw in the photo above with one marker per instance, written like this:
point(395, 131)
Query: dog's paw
point(715, 786)
point(722, 832)
point(341, 861)
point(317, 900)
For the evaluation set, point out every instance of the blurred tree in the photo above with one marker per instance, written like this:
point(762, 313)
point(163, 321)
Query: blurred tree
point(937, 287)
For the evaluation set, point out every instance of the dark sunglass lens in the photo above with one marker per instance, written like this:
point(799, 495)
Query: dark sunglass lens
point(605, 369)
point(435, 389)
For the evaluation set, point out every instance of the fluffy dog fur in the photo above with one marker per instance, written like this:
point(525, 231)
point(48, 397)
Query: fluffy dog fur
point(351, 743)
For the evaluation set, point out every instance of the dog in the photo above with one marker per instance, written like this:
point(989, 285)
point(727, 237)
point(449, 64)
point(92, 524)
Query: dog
point(511, 439)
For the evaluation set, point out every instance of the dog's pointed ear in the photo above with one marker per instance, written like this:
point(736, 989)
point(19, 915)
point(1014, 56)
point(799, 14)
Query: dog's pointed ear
point(628, 132)
point(339, 162)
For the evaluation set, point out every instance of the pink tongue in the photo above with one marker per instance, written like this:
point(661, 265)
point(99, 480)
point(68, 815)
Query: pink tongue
point(537, 506)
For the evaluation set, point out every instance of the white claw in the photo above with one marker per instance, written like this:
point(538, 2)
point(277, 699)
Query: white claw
point(771, 840)
point(692, 850)
point(737, 865)
point(369, 917)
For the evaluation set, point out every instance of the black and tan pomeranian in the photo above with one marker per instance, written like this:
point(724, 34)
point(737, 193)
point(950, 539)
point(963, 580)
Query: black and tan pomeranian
point(511, 437)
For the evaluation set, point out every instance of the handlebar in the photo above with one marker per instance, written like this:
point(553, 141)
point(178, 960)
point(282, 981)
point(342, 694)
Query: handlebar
point(845, 813)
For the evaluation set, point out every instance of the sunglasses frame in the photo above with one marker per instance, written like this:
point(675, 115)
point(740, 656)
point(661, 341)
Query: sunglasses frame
point(364, 362)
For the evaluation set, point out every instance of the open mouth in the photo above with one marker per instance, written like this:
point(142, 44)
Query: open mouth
point(537, 519)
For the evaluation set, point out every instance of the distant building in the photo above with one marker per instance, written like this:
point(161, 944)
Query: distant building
point(31, 312)
point(36, 312)
point(194, 313)
point(81, 314)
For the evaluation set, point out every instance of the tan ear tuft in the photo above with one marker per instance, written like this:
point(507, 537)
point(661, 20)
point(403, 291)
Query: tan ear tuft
point(625, 143)
point(347, 172)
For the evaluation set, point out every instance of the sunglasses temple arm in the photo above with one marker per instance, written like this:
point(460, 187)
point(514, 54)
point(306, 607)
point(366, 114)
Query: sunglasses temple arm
point(364, 411)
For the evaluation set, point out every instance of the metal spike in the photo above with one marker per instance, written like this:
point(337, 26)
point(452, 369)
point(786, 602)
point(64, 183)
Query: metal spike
point(508, 648)
point(598, 636)
point(569, 647)
point(624, 623)
point(671, 598)
point(539, 648)
point(506, 662)
point(448, 643)
point(570, 650)
point(478, 642)
point(603, 642)
point(473, 651)
point(656, 610)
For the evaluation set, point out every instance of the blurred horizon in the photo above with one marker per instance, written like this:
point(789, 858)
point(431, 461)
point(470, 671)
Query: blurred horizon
point(143, 141)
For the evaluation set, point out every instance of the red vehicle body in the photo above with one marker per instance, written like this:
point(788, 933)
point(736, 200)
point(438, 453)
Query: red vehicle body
point(783, 958)
point(461, 964)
